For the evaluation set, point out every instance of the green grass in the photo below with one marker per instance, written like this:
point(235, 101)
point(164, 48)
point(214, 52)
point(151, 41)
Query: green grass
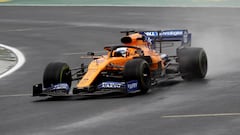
point(6, 55)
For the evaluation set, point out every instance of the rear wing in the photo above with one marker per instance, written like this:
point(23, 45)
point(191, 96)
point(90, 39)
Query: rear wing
point(168, 40)
point(169, 35)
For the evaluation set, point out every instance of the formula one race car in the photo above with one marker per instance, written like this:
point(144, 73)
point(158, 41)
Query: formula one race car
point(134, 66)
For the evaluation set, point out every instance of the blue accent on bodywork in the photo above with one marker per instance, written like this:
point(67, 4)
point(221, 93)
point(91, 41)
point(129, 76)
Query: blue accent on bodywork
point(132, 86)
point(60, 86)
point(175, 35)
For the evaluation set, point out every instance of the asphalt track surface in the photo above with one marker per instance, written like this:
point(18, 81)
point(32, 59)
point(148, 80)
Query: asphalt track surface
point(143, 3)
point(46, 34)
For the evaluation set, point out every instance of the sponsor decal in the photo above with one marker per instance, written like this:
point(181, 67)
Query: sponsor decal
point(111, 85)
point(151, 34)
point(61, 86)
point(165, 33)
point(171, 33)
point(132, 86)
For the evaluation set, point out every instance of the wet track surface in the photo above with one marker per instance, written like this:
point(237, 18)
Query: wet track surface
point(46, 34)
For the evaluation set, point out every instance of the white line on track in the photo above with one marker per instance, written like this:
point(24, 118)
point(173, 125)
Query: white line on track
point(20, 60)
point(111, 5)
point(17, 95)
point(201, 115)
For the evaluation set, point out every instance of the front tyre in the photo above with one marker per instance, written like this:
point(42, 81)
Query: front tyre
point(192, 63)
point(56, 73)
point(138, 69)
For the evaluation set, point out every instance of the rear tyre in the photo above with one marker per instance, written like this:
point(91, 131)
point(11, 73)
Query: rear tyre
point(192, 63)
point(138, 69)
point(56, 73)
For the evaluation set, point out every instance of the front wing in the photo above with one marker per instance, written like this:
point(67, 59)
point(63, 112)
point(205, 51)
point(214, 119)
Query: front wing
point(106, 87)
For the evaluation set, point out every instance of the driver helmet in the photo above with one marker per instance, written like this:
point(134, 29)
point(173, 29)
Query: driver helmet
point(122, 51)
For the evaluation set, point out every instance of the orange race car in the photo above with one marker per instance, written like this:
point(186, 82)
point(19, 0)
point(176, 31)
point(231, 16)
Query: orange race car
point(136, 65)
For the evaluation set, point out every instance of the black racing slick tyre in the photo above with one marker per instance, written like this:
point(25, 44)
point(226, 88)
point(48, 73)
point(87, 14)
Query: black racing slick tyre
point(193, 63)
point(55, 73)
point(138, 69)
